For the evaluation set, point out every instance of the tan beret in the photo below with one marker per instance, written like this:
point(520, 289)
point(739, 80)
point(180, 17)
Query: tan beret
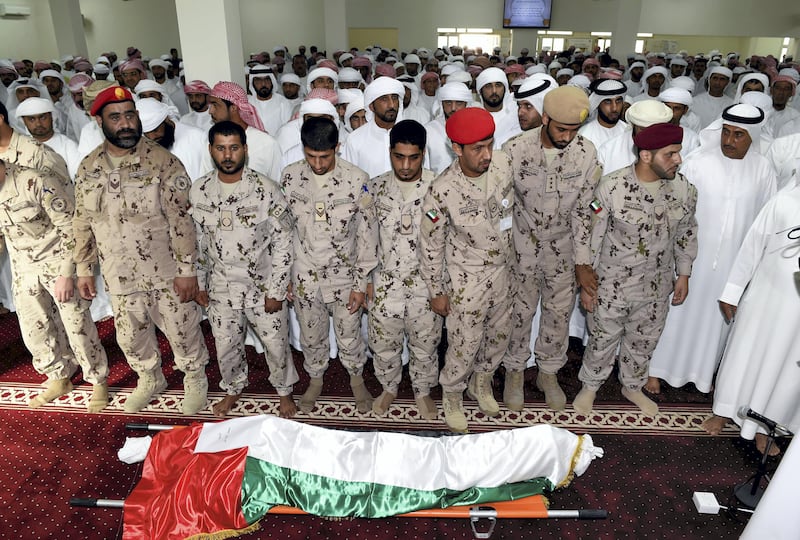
point(567, 105)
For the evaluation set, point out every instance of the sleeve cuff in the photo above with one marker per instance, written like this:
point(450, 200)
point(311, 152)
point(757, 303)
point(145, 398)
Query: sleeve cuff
point(84, 270)
point(186, 269)
point(731, 294)
point(683, 269)
point(67, 268)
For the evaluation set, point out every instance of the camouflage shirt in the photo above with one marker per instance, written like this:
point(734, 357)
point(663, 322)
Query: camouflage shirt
point(335, 234)
point(640, 242)
point(552, 200)
point(135, 218)
point(466, 231)
point(36, 211)
point(245, 240)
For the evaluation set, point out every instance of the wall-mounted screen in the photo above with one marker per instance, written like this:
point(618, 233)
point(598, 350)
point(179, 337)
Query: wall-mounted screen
point(527, 13)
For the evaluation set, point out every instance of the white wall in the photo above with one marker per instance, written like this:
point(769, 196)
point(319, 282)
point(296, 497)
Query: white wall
point(149, 25)
point(267, 23)
point(30, 37)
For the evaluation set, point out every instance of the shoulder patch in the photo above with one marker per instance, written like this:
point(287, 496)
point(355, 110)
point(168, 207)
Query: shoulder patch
point(58, 204)
point(182, 183)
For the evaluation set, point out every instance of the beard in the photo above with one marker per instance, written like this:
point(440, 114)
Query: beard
point(229, 166)
point(264, 92)
point(125, 137)
point(606, 119)
point(168, 138)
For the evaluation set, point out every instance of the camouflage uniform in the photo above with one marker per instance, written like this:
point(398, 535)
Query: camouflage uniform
point(27, 152)
point(36, 222)
point(465, 253)
point(245, 256)
point(135, 220)
point(401, 304)
point(639, 242)
point(335, 249)
point(551, 235)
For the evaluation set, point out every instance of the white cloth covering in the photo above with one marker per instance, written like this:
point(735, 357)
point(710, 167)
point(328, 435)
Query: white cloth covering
point(761, 365)
point(730, 193)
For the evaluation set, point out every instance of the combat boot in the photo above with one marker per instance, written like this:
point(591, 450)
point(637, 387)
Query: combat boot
point(513, 391)
point(195, 392)
point(553, 394)
point(360, 392)
point(151, 383)
point(99, 399)
point(382, 404)
point(426, 407)
point(454, 417)
point(309, 397)
point(584, 401)
point(55, 388)
point(480, 389)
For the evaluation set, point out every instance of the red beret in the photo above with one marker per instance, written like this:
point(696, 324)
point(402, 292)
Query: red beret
point(112, 94)
point(470, 125)
point(658, 136)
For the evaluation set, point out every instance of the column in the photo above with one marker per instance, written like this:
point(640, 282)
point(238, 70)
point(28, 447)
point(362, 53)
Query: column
point(68, 27)
point(211, 40)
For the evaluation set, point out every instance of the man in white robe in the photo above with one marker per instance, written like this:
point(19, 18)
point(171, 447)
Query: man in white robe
point(37, 115)
point(77, 117)
point(605, 103)
point(709, 105)
point(492, 87)
point(366, 146)
point(452, 96)
point(184, 141)
point(197, 95)
point(618, 152)
point(733, 182)
point(228, 101)
point(761, 366)
point(784, 153)
point(782, 90)
point(273, 109)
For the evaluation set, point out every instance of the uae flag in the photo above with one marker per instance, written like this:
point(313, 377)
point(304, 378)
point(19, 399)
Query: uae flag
point(219, 479)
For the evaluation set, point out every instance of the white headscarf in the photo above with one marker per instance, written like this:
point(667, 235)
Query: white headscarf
point(749, 77)
point(383, 86)
point(265, 72)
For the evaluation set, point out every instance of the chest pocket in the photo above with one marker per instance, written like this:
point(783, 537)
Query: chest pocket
point(141, 198)
point(340, 218)
point(28, 217)
point(570, 182)
point(633, 219)
point(93, 201)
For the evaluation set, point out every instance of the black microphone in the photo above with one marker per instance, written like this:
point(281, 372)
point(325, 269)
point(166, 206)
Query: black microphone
point(747, 412)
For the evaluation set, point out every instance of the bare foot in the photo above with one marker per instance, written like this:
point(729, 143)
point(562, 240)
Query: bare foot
point(761, 445)
point(286, 407)
point(653, 385)
point(224, 406)
point(714, 424)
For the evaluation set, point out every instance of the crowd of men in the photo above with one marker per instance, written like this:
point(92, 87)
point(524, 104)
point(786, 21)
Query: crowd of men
point(358, 205)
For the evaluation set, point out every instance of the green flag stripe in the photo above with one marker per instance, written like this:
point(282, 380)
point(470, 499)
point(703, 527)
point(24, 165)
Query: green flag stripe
point(266, 485)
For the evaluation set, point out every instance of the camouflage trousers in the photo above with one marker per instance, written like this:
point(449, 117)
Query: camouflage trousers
point(478, 330)
point(635, 328)
point(137, 315)
point(556, 289)
point(60, 335)
point(394, 316)
point(229, 326)
point(313, 317)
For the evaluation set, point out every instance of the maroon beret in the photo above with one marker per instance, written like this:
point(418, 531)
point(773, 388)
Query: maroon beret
point(470, 125)
point(658, 136)
point(112, 94)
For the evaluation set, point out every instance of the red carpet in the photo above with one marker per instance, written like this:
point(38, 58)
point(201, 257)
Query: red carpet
point(645, 481)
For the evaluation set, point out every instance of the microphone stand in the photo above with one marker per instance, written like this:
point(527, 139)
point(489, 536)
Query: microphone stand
point(749, 493)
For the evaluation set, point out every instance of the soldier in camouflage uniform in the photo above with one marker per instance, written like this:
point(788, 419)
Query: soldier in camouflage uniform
point(644, 234)
point(400, 306)
point(465, 254)
point(245, 232)
point(24, 151)
point(555, 173)
point(131, 213)
point(335, 249)
point(36, 224)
